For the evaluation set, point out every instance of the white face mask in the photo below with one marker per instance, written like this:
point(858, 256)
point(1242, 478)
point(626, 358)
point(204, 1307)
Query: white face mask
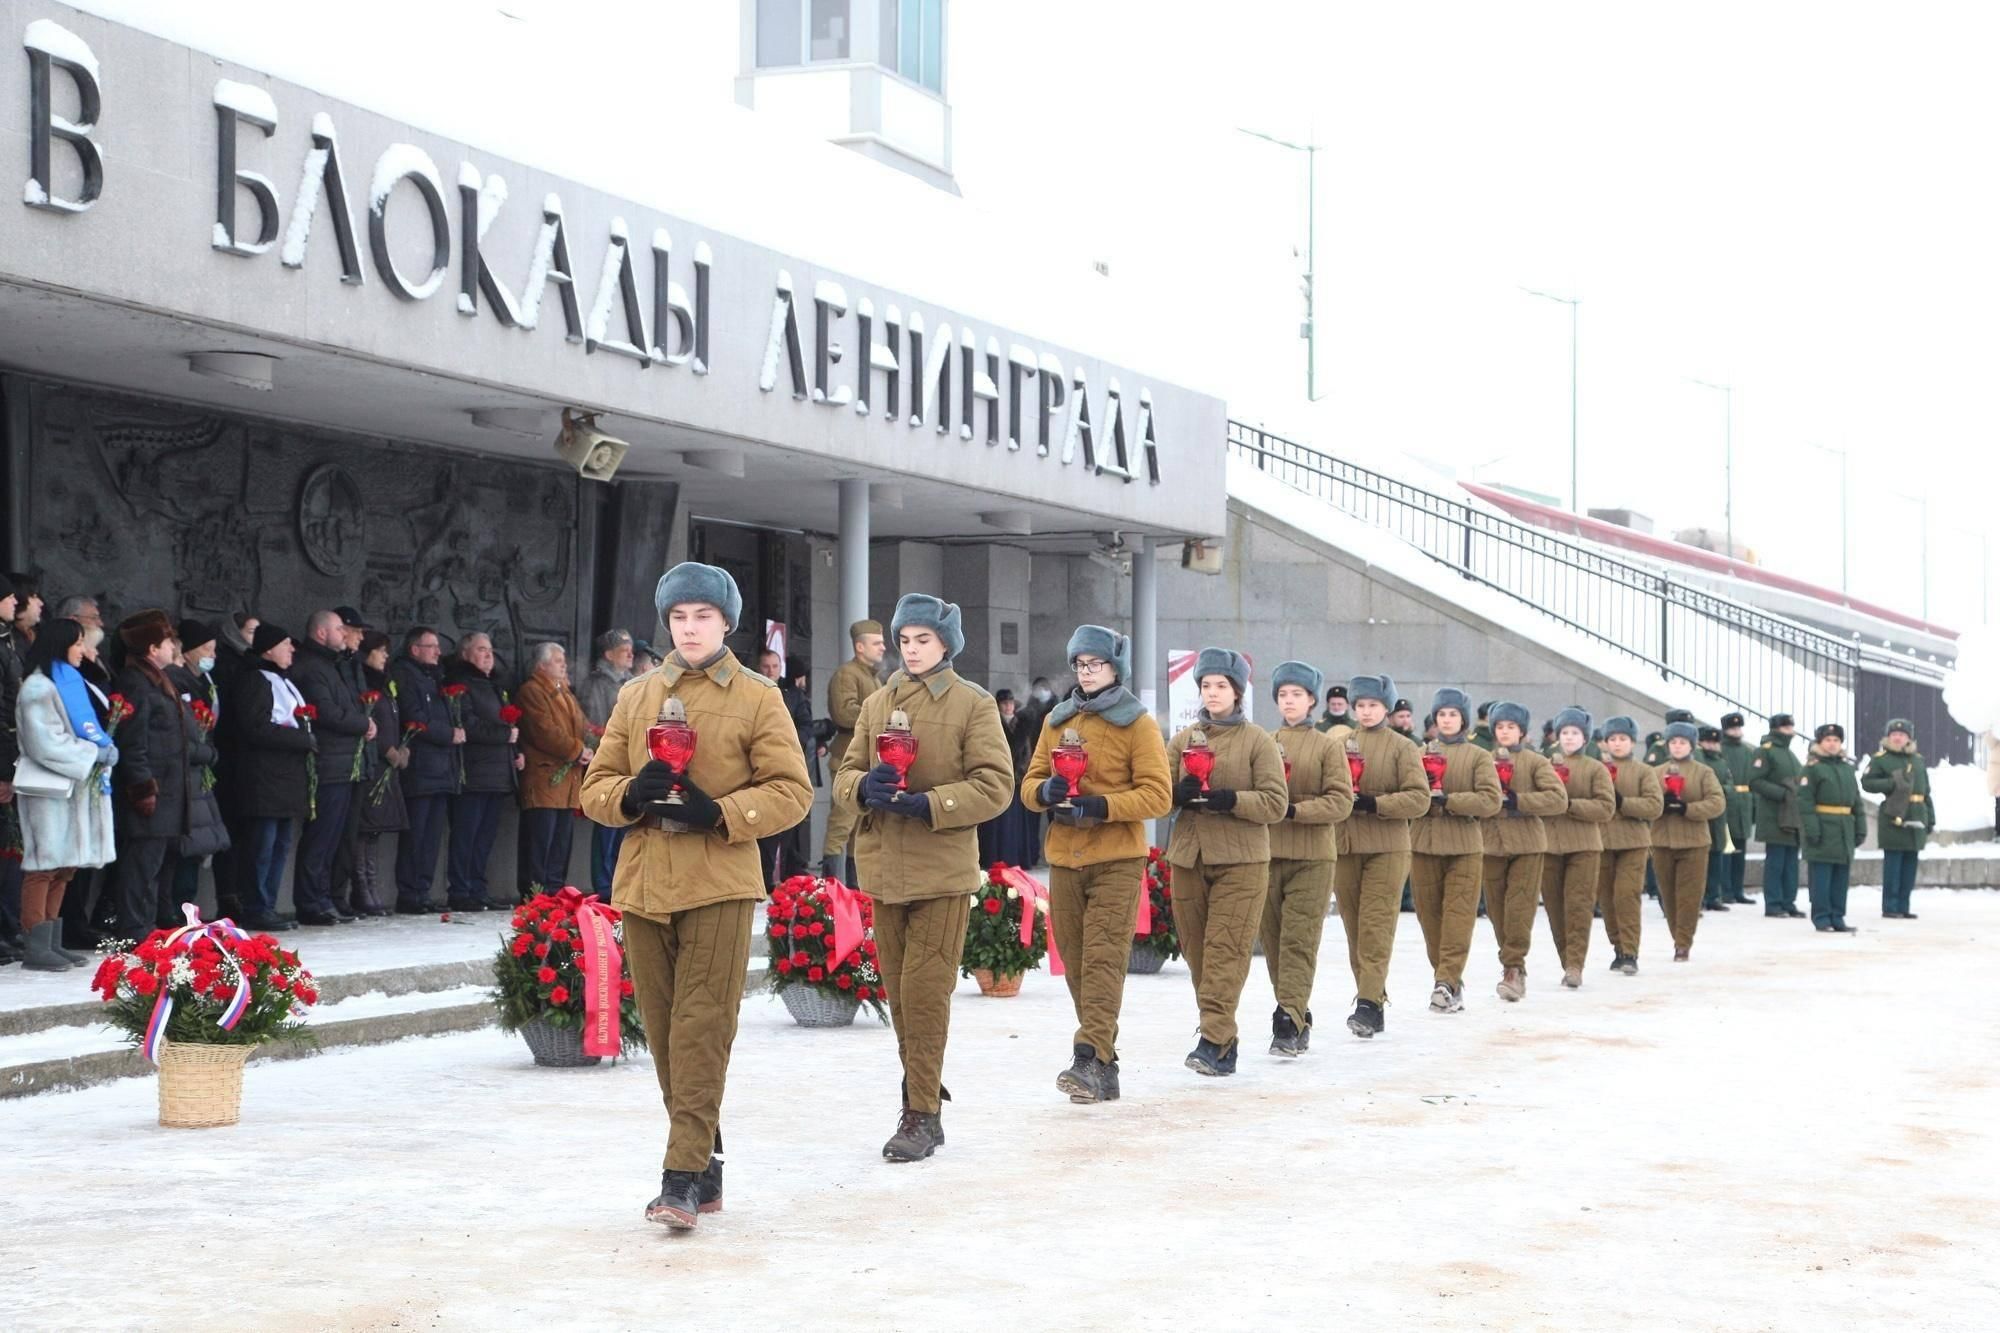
point(204, 664)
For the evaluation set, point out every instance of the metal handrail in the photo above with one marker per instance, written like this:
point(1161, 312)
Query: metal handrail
point(1749, 657)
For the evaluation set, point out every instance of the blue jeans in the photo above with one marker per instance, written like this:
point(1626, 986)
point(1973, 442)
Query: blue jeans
point(1781, 876)
point(1829, 892)
point(1899, 880)
point(270, 844)
point(604, 845)
point(475, 823)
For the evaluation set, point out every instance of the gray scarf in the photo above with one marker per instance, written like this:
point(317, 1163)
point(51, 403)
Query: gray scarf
point(1234, 718)
point(1114, 703)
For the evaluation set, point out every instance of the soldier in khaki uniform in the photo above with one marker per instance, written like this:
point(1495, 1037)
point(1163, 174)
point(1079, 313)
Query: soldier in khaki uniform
point(853, 681)
point(1097, 846)
point(1681, 834)
point(919, 848)
point(1446, 848)
point(1374, 846)
point(688, 892)
point(1220, 846)
point(1621, 872)
point(1302, 854)
point(1515, 843)
point(1576, 844)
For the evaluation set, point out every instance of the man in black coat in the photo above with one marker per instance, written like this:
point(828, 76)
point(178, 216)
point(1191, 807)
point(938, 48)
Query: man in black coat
point(270, 766)
point(487, 776)
point(432, 776)
point(160, 749)
point(320, 672)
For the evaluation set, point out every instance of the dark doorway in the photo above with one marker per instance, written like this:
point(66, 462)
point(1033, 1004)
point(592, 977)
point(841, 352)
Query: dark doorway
point(771, 568)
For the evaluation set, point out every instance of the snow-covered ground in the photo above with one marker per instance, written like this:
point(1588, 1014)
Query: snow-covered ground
point(1792, 1131)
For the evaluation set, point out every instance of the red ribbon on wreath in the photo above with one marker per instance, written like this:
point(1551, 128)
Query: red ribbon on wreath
point(603, 971)
point(1034, 900)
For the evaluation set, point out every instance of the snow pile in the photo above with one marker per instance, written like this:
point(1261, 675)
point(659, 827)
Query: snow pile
point(1972, 690)
point(1959, 795)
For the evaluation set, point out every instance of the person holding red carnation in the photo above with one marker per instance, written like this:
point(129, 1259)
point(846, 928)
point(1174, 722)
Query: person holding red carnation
point(918, 844)
point(688, 887)
point(1097, 843)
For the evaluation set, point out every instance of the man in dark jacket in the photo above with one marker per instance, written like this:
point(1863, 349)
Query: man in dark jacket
point(1774, 781)
point(432, 775)
point(154, 779)
point(271, 766)
point(320, 672)
point(486, 775)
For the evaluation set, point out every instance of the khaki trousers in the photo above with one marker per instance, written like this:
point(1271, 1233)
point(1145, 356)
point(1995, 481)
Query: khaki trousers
point(1094, 910)
point(1369, 889)
point(1569, 893)
point(687, 973)
point(1295, 903)
point(1683, 876)
point(1513, 886)
point(918, 946)
point(1216, 911)
point(1621, 876)
point(1445, 891)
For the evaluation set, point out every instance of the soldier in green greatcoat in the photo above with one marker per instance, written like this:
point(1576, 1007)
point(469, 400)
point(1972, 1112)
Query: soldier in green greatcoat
point(1906, 818)
point(1834, 823)
point(1774, 781)
point(1715, 892)
point(1482, 735)
point(1742, 807)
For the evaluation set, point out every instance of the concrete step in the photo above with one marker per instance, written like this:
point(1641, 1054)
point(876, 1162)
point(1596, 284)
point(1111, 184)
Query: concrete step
point(1933, 872)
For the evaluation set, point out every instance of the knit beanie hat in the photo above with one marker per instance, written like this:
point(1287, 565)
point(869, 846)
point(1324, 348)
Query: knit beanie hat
point(195, 633)
point(691, 582)
point(269, 635)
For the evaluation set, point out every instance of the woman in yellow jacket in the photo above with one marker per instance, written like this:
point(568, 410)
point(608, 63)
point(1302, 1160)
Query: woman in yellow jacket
point(1220, 846)
point(1096, 846)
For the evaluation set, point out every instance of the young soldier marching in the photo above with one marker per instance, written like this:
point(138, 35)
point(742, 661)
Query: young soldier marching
point(1374, 845)
point(1742, 807)
point(1576, 844)
point(688, 887)
point(1302, 854)
point(1904, 822)
point(1515, 843)
point(1621, 870)
point(1221, 847)
point(1834, 823)
point(1446, 847)
point(850, 687)
point(1692, 797)
point(1774, 781)
point(918, 844)
point(1715, 897)
point(1097, 843)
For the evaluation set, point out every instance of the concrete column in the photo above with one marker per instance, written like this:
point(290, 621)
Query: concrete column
point(853, 553)
point(1146, 628)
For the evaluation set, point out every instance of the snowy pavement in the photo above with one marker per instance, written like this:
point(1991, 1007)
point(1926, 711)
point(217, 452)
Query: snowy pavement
point(1792, 1131)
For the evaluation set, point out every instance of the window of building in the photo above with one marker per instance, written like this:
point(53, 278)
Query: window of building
point(913, 40)
point(799, 32)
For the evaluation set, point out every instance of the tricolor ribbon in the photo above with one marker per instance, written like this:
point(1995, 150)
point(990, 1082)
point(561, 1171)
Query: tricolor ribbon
point(1034, 901)
point(224, 933)
point(603, 971)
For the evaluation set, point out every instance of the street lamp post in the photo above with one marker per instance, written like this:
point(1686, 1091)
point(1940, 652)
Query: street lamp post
point(1572, 302)
point(1728, 392)
point(1841, 454)
point(1311, 150)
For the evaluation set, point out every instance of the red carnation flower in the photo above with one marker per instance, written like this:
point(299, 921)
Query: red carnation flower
point(510, 714)
point(816, 929)
point(308, 994)
point(624, 987)
point(799, 959)
point(992, 906)
point(520, 945)
point(784, 967)
point(863, 993)
point(806, 912)
point(142, 981)
point(545, 975)
point(541, 951)
point(816, 974)
point(798, 932)
point(844, 981)
point(560, 995)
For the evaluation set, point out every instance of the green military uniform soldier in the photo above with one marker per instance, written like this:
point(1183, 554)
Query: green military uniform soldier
point(1336, 714)
point(1482, 734)
point(1715, 889)
point(1904, 822)
point(1774, 782)
point(1742, 808)
point(1833, 824)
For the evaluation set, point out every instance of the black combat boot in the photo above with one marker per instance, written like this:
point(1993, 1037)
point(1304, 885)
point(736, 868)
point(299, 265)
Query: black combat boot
point(1306, 1033)
point(711, 1179)
point(1211, 1060)
point(1080, 1079)
point(1366, 1020)
point(1284, 1034)
point(679, 1203)
point(918, 1135)
point(1107, 1081)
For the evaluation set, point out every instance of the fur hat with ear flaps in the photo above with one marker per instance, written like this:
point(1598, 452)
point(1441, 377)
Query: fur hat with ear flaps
point(920, 610)
point(691, 582)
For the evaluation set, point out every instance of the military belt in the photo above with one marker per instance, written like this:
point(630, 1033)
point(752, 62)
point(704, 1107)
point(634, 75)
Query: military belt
point(1833, 809)
point(1916, 798)
point(1742, 787)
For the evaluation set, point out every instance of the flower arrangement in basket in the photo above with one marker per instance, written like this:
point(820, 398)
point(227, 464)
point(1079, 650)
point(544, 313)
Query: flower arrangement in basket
point(1154, 940)
point(198, 1000)
point(822, 942)
point(1001, 941)
point(562, 983)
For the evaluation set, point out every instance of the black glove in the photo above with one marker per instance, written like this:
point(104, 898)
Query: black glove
point(1365, 804)
point(1053, 791)
point(1092, 807)
point(651, 783)
point(1676, 804)
point(1437, 798)
point(1187, 789)
point(1509, 800)
point(1617, 800)
point(878, 787)
point(1291, 812)
point(698, 808)
point(1221, 800)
